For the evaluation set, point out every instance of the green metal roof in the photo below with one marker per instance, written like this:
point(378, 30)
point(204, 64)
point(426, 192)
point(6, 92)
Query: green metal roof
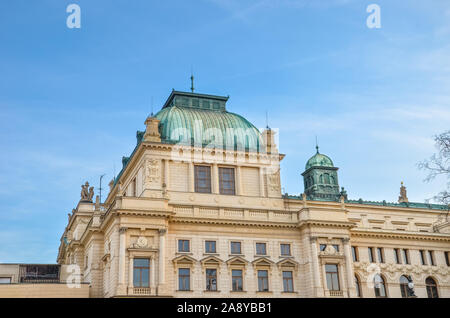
point(319, 160)
point(416, 205)
point(202, 120)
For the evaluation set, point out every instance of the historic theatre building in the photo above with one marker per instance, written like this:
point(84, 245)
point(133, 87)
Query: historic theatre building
point(197, 211)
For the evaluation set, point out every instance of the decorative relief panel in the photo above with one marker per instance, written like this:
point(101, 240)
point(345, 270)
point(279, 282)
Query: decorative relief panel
point(141, 241)
point(152, 171)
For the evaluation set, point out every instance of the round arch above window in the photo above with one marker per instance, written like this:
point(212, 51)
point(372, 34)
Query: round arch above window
point(380, 286)
point(432, 288)
point(404, 281)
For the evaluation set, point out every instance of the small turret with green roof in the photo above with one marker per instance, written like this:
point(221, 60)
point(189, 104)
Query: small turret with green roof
point(320, 178)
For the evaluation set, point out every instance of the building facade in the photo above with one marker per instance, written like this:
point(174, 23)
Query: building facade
point(198, 211)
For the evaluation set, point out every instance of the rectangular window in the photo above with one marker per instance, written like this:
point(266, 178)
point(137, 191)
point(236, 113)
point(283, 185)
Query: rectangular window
point(203, 179)
point(405, 256)
point(397, 256)
point(261, 249)
point(285, 249)
point(431, 256)
point(236, 277)
point(422, 257)
point(288, 282)
point(5, 280)
point(226, 181)
point(447, 258)
point(183, 245)
point(336, 247)
point(380, 255)
point(332, 275)
point(323, 247)
point(263, 280)
point(355, 254)
point(371, 257)
point(211, 279)
point(184, 279)
point(141, 272)
point(210, 246)
point(236, 248)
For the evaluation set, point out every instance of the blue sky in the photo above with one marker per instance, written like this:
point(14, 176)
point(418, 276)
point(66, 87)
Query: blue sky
point(71, 100)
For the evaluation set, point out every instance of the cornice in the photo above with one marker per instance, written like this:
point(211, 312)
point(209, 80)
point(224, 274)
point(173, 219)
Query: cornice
point(232, 222)
point(403, 235)
point(322, 223)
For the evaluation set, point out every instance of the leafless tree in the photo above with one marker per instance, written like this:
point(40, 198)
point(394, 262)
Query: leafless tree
point(439, 164)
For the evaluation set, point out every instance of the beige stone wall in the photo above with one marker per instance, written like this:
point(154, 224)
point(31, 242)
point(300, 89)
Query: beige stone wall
point(257, 213)
point(43, 291)
point(10, 271)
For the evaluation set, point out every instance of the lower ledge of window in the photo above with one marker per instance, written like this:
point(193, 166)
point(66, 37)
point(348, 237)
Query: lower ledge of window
point(289, 292)
point(212, 291)
point(264, 292)
point(238, 291)
point(189, 291)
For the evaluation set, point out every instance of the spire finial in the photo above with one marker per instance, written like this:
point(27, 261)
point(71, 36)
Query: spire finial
point(317, 146)
point(151, 105)
point(192, 80)
point(267, 120)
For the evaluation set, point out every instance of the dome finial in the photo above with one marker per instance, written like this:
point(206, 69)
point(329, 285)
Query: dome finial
point(192, 80)
point(317, 146)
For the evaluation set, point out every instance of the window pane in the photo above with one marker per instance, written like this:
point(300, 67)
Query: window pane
point(210, 246)
point(145, 278)
point(141, 262)
point(370, 255)
point(5, 280)
point(184, 279)
point(354, 254)
point(211, 279)
point(261, 248)
point(226, 181)
point(285, 249)
point(203, 179)
point(236, 280)
point(235, 247)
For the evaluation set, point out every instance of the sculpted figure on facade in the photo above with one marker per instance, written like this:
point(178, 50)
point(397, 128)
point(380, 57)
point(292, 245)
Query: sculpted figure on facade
point(87, 193)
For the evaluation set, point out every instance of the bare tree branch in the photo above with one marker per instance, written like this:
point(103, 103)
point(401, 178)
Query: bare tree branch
point(439, 164)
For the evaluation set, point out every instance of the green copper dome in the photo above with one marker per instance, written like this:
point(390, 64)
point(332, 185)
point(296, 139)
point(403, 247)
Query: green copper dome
point(194, 119)
point(319, 160)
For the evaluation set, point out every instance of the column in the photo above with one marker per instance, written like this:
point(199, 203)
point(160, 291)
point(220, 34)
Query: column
point(316, 269)
point(238, 181)
point(215, 179)
point(121, 286)
point(166, 173)
point(130, 272)
point(191, 178)
point(152, 271)
point(162, 240)
point(349, 266)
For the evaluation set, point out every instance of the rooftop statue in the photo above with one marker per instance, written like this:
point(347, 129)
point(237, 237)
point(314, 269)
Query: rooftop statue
point(86, 193)
point(403, 197)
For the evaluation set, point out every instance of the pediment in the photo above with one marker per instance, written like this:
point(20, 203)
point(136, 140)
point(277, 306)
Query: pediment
point(237, 261)
point(184, 259)
point(262, 261)
point(287, 263)
point(212, 260)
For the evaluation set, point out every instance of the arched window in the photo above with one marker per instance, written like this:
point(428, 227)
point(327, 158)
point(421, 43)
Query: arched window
point(379, 286)
point(404, 286)
point(358, 287)
point(431, 288)
point(327, 178)
point(321, 179)
point(332, 181)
